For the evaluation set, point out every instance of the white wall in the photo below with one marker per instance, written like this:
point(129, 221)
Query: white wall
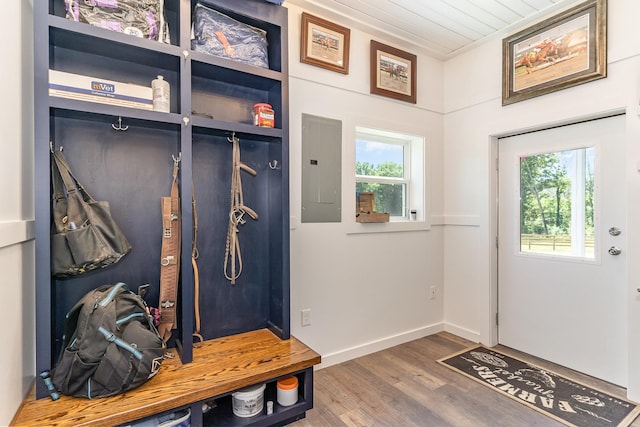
point(366, 291)
point(473, 113)
point(17, 357)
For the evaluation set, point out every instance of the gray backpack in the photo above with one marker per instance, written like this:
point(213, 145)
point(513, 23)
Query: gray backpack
point(110, 345)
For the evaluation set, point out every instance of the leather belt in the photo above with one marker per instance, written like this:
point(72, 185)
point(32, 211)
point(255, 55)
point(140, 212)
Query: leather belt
point(170, 257)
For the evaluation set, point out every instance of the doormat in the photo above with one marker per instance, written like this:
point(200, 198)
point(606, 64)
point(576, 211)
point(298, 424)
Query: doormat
point(567, 401)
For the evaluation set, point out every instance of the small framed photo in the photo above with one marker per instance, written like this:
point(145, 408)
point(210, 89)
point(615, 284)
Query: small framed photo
point(393, 72)
point(324, 44)
point(565, 50)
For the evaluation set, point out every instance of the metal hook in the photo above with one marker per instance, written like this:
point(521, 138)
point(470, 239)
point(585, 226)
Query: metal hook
point(119, 127)
point(177, 160)
point(273, 166)
point(51, 147)
point(233, 138)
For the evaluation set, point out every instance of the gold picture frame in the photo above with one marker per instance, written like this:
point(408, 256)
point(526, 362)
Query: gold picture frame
point(324, 44)
point(393, 72)
point(565, 50)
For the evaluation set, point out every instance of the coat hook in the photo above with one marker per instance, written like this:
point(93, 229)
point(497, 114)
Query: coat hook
point(273, 166)
point(119, 127)
point(177, 160)
point(52, 148)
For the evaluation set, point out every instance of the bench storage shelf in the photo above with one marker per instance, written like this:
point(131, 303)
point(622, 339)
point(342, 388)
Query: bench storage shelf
point(219, 367)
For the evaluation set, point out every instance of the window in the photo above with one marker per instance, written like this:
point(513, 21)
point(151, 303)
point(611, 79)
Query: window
point(383, 168)
point(391, 165)
point(556, 203)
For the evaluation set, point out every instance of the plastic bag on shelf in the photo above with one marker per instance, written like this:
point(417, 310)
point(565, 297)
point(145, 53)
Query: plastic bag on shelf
point(220, 35)
point(140, 18)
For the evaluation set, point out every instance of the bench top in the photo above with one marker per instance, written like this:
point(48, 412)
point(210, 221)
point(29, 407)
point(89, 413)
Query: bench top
point(219, 366)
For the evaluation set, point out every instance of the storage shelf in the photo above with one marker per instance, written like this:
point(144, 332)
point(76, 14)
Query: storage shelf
point(236, 68)
point(211, 98)
point(220, 367)
point(222, 414)
point(102, 112)
point(203, 125)
point(63, 26)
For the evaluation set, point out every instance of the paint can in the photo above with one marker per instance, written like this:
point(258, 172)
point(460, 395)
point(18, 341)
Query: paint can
point(248, 402)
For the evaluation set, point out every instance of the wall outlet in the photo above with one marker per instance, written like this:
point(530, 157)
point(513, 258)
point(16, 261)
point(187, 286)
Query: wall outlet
point(432, 292)
point(305, 317)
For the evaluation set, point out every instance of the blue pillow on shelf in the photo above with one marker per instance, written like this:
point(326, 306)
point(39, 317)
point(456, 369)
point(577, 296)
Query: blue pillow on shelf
point(220, 35)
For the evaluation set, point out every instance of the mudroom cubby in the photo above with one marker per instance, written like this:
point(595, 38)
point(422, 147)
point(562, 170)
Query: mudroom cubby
point(125, 156)
point(222, 412)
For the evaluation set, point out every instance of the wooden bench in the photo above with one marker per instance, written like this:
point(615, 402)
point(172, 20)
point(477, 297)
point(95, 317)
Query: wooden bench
point(219, 367)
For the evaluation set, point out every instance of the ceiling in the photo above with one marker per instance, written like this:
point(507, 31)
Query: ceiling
point(440, 28)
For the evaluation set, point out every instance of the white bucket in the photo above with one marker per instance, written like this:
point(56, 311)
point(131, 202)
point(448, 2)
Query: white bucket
point(248, 402)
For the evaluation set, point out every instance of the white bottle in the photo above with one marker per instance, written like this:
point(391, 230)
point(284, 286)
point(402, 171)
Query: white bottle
point(161, 95)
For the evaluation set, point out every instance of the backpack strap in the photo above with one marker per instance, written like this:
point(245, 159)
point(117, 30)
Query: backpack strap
point(170, 257)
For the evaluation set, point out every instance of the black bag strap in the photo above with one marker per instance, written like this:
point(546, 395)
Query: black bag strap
point(58, 197)
point(69, 196)
point(70, 181)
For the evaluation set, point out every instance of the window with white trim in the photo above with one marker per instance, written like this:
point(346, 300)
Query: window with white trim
point(391, 165)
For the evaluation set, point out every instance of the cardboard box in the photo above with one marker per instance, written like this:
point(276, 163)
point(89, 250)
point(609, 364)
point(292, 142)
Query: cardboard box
point(92, 89)
point(365, 209)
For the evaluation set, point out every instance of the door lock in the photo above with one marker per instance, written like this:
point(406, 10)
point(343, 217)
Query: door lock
point(615, 231)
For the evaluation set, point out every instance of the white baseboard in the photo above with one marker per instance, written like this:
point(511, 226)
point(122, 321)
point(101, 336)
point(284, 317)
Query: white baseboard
point(14, 232)
point(462, 332)
point(377, 345)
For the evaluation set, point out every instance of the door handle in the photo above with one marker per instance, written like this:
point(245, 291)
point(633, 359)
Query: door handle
point(614, 251)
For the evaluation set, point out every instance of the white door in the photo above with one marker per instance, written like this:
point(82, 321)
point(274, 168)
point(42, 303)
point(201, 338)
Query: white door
point(561, 280)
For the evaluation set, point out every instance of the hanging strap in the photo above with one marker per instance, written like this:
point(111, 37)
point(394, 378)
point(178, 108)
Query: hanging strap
point(170, 258)
point(194, 264)
point(237, 210)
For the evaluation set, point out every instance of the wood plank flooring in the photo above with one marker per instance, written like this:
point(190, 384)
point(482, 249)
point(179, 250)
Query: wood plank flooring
point(404, 386)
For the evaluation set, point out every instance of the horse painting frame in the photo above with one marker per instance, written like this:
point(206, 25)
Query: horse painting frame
point(393, 72)
point(565, 50)
point(324, 44)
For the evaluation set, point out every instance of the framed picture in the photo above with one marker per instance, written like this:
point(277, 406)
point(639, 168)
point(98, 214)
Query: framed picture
point(324, 44)
point(563, 51)
point(393, 72)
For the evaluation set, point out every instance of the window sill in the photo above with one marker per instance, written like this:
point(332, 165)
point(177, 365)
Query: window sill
point(354, 227)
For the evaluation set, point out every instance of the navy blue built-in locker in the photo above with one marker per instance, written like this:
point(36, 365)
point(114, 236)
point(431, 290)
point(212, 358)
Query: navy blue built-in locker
point(211, 101)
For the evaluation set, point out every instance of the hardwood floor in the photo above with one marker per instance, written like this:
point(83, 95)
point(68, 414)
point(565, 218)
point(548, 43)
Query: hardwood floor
point(404, 386)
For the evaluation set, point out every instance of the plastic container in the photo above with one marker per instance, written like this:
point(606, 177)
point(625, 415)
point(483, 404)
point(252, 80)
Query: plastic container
point(263, 115)
point(175, 419)
point(161, 95)
point(248, 402)
point(287, 393)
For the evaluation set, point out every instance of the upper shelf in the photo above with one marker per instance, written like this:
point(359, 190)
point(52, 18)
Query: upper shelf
point(69, 32)
point(101, 112)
